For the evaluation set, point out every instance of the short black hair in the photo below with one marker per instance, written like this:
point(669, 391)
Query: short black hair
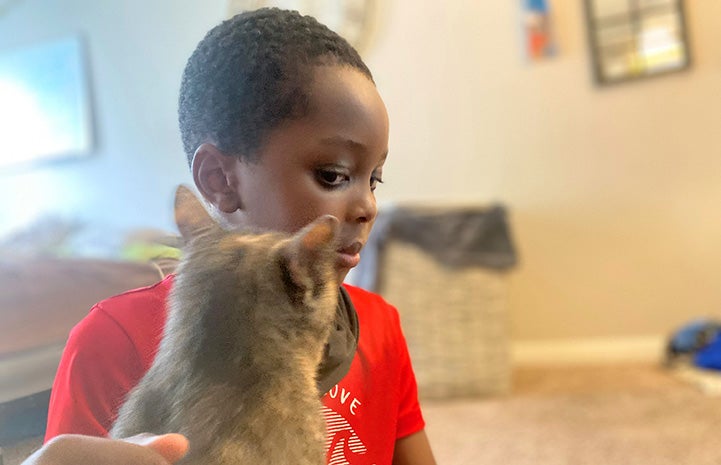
point(250, 73)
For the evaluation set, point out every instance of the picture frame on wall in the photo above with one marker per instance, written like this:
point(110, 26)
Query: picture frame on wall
point(46, 111)
point(634, 39)
point(538, 36)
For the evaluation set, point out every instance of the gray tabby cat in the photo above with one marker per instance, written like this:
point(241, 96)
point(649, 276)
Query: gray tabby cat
point(249, 315)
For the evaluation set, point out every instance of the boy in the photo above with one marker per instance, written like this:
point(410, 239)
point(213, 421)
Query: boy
point(281, 123)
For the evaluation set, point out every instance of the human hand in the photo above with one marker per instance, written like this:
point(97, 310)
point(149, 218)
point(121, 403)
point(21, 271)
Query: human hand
point(144, 449)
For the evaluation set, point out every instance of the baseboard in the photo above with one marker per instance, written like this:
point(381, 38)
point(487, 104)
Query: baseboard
point(643, 349)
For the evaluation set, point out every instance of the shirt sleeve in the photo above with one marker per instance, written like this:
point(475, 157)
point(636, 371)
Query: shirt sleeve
point(410, 417)
point(97, 369)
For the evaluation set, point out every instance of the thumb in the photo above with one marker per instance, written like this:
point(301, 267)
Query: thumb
point(172, 447)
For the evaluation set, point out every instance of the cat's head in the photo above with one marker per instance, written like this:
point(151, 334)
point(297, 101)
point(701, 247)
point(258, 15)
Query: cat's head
point(252, 280)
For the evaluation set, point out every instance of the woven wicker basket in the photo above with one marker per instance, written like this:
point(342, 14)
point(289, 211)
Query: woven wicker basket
point(455, 322)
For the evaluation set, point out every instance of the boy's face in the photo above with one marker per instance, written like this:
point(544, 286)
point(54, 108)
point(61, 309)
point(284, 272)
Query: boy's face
point(327, 162)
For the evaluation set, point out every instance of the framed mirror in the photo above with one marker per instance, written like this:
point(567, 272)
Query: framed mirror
point(632, 39)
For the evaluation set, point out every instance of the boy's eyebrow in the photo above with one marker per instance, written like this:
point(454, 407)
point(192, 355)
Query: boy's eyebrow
point(345, 142)
point(340, 140)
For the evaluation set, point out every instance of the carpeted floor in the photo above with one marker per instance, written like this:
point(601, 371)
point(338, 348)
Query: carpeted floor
point(627, 415)
point(17, 452)
point(22, 425)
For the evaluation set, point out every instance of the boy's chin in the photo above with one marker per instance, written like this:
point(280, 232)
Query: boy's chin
point(341, 274)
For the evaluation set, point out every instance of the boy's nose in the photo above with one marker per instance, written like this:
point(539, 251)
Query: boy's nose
point(364, 209)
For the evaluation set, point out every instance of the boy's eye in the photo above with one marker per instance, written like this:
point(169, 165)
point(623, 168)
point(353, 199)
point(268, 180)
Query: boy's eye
point(331, 177)
point(375, 179)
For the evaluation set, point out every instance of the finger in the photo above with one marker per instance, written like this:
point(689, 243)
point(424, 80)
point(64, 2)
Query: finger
point(172, 447)
point(72, 449)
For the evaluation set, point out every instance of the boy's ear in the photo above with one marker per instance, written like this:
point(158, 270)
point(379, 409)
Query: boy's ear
point(215, 178)
point(191, 217)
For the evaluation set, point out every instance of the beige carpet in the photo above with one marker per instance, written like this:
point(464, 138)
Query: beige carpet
point(629, 415)
point(15, 454)
point(632, 415)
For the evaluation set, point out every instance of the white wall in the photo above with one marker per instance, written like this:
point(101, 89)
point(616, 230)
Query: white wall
point(137, 50)
point(612, 192)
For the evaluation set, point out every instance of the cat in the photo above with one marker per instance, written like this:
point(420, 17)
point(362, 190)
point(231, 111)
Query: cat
point(248, 318)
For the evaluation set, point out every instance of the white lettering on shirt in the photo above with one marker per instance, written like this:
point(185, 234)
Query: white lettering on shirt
point(342, 395)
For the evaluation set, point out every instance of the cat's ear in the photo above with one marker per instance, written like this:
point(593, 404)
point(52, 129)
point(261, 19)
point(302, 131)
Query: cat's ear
point(312, 244)
point(191, 217)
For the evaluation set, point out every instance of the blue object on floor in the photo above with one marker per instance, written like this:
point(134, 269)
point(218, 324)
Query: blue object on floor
point(686, 342)
point(710, 356)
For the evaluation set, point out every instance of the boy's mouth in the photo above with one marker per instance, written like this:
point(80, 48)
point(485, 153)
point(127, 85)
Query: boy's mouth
point(349, 255)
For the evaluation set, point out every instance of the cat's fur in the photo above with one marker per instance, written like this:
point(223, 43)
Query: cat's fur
point(249, 315)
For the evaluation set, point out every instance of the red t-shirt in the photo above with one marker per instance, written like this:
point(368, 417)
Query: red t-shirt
point(112, 348)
